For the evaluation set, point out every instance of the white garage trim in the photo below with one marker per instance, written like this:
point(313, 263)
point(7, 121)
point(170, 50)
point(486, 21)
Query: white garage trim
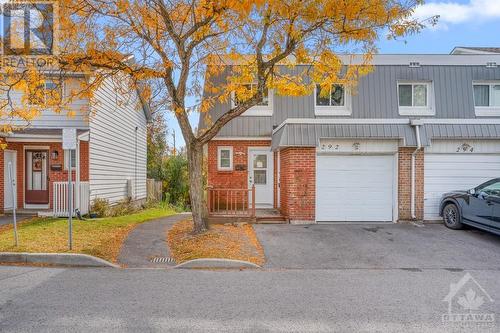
point(368, 165)
point(457, 165)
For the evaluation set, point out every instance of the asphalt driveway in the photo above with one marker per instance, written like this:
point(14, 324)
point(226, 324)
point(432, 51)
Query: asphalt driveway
point(388, 246)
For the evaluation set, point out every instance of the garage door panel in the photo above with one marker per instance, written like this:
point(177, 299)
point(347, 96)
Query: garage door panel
point(449, 172)
point(355, 188)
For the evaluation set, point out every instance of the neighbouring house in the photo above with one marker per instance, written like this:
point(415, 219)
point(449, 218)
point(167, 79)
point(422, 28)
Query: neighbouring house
point(416, 127)
point(109, 162)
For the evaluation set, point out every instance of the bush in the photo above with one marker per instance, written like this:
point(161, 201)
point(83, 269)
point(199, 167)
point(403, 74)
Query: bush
point(100, 207)
point(124, 207)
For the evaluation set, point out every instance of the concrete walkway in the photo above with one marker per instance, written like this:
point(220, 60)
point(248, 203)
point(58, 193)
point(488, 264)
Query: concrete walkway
point(147, 241)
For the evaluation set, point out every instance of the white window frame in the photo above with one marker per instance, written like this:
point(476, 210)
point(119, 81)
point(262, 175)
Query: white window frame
point(486, 111)
point(219, 166)
point(67, 160)
point(428, 110)
point(257, 110)
point(331, 110)
point(61, 88)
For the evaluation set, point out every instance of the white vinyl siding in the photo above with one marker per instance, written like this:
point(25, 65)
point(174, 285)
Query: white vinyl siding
point(51, 119)
point(114, 157)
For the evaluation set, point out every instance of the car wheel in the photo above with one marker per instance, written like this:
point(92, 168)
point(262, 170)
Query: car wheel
point(451, 217)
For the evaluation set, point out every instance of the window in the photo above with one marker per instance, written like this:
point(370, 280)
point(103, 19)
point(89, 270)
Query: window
point(332, 102)
point(487, 98)
point(43, 94)
point(225, 158)
point(262, 108)
point(415, 99)
point(71, 160)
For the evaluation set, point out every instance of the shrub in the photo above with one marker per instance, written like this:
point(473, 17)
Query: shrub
point(100, 207)
point(124, 207)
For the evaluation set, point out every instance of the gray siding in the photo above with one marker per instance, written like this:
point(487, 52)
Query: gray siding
point(308, 135)
point(114, 157)
point(376, 97)
point(434, 131)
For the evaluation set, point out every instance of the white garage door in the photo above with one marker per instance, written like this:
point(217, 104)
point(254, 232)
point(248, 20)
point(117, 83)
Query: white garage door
point(355, 188)
point(457, 165)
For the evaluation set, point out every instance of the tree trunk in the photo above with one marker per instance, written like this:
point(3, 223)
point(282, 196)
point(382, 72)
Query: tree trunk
point(196, 191)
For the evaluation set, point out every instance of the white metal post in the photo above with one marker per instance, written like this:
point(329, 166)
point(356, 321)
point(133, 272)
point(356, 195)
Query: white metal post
point(70, 203)
point(13, 185)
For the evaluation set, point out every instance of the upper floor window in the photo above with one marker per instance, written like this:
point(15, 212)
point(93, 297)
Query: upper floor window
point(263, 108)
point(415, 98)
point(487, 98)
point(334, 101)
point(49, 92)
point(225, 158)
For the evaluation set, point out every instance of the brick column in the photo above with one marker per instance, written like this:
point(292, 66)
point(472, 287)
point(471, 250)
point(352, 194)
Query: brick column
point(404, 184)
point(298, 184)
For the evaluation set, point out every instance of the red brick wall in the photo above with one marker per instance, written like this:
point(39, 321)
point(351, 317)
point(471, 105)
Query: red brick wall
point(235, 178)
point(404, 184)
point(298, 183)
point(54, 176)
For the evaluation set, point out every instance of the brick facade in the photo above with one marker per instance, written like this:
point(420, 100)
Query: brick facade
point(404, 183)
point(54, 176)
point(298, 183)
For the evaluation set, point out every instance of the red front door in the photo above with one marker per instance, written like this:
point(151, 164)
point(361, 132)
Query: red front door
point(37, 177)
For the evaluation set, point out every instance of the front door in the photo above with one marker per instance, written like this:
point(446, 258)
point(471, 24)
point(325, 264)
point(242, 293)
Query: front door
point(37, 177)
point(10, 158)
point(260, 174)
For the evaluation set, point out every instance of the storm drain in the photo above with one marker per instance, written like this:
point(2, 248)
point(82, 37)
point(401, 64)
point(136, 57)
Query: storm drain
point(162, 260)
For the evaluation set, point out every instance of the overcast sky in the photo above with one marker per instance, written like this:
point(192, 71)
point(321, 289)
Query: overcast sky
point(461, 23)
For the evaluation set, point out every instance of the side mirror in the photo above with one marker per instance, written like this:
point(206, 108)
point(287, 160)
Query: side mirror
point(472, 191)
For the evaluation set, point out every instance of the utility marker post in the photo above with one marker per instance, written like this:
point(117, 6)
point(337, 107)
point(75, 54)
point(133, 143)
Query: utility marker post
point(13, 188)
point(69, 144)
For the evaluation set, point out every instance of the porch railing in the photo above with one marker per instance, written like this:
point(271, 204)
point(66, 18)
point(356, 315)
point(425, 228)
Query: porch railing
point(231, 202)
point(60, 198)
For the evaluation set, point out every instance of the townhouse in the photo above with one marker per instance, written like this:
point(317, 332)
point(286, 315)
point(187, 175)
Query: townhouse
point(416, 127)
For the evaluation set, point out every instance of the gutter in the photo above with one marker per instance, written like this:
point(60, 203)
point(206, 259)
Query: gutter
point(416, 124)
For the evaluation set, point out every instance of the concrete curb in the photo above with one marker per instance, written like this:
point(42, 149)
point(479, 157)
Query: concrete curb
point(216, 263)
point(66, 259)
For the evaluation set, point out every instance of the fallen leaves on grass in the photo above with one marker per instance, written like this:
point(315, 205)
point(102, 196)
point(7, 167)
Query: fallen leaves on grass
point(237, 242)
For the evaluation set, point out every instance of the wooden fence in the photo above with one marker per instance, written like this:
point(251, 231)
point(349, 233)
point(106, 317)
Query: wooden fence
point(154, 190)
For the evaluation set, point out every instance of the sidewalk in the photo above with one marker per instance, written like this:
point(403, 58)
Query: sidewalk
point(148, 241)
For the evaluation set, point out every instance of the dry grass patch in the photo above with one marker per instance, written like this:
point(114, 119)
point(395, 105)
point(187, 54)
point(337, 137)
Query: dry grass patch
point(98, 237)
point(238, 242)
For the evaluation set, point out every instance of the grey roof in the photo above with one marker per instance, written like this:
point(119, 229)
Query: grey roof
point(482, 49)
point(41, 132)
point(462, 131)
point(308, 135)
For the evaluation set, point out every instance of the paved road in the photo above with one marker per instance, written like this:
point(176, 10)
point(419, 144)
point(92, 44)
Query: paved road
point(158, 300)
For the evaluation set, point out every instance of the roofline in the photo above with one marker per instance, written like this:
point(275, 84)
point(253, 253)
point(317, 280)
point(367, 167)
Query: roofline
point(404, 60)
point(470, 50)
point(397, 121)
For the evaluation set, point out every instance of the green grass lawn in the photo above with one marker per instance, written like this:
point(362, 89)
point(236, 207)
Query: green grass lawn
point(98, 237)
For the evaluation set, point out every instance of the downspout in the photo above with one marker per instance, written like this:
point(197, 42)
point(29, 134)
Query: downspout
point(417, 125)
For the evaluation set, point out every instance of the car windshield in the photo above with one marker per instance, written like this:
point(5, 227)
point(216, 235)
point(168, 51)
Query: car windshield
point(491, 189)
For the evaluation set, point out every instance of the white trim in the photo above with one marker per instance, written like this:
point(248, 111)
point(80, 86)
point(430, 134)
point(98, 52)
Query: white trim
point(486, 111)
point(270, 169)
point(41, 140)
point(428, 110)
point(242, 138)
point(329, 110)
point(36, 206)
point(6, 184)
point(257, 110)
point(471, 121)
point(219, 167)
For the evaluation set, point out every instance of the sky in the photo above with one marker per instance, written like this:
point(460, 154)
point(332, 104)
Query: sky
point(461, 23)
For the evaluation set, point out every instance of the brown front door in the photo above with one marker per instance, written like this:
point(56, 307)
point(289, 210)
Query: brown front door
point(37, 177)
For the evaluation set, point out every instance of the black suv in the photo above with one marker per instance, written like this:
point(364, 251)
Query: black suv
point(478, 207)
